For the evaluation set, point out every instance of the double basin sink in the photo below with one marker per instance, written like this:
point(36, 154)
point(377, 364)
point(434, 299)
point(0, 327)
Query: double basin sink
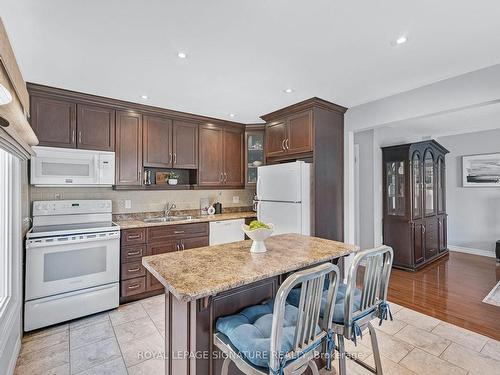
point(168, 219)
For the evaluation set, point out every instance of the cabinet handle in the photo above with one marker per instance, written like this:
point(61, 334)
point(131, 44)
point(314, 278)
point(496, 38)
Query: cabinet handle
point(221, 179)
point(79, 137)
point(175, 158)
point(134, 237)
point(134, 286)
point(134, 269)
point(170, 161)
point(177, 246)
point(423, 229)
point(287, 144)
point(283, 145)
point(225, 177)
point(73, 137)
point(139, 174)
point(179, 231)
point(132, 253)
point(183, 247)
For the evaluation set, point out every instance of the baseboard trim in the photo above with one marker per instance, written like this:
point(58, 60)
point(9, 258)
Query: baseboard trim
point(15, 354)
point(468, 250)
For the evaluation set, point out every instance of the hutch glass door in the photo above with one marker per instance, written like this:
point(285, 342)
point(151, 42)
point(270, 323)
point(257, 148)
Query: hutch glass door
point(395, 172)
point(429, 183)
point(417, 186)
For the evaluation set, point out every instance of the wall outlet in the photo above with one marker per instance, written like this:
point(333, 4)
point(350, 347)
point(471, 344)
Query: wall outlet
point(236, 199)
point(58, 196)
point(126, 203)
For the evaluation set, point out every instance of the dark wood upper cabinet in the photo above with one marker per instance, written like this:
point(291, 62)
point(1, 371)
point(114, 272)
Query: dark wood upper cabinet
point(157, 142)
point(275, 138)
point(54, 121)
point(300, 133)
point(414, 222)
point(128, 148)
point(185, 145)
point(234, 171)
point(95, 128)
point(210, 172)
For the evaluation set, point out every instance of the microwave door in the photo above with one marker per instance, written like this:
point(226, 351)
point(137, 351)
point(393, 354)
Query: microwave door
point(70, 169)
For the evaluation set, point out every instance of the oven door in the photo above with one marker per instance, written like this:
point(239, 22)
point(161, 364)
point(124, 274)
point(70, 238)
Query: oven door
point(68, 263)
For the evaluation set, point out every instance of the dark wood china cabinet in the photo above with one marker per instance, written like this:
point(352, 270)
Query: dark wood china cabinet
point(414, 203)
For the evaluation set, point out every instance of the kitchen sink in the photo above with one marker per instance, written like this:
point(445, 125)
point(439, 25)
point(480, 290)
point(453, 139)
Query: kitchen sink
point(167, 218)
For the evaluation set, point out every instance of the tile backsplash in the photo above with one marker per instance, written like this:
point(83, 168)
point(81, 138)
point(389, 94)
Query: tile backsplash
point(146, 201)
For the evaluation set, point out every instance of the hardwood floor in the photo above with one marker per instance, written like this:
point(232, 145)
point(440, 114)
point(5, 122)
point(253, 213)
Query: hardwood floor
point(452, 289)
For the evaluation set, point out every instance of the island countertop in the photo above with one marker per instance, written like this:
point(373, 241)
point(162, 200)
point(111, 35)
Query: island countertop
point(201, 272)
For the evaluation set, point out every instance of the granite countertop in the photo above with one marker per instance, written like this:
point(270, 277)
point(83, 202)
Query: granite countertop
point(205, 271)
point(137, 223)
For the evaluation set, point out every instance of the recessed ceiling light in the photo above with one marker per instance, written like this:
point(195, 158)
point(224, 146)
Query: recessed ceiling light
point(232, 115)
point(401, 40)
point(288, 91)
point(145, 97)
point(181, 55)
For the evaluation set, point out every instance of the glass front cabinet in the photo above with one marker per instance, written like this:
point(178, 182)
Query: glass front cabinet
point(254, 152)
point(414, 202)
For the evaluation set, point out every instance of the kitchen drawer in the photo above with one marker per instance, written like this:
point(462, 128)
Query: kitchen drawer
point(133, 286)
point(192, 243)
point(174, 232)
point(133, 236)
point(132, 269)
point(132, 253)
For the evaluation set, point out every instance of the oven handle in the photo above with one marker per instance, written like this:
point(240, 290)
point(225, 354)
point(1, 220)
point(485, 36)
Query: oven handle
point(76, 239)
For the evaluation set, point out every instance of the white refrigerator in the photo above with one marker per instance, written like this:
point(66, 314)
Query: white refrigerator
point(284, 197)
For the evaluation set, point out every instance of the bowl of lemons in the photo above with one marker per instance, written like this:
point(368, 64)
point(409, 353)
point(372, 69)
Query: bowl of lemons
point(258, 232)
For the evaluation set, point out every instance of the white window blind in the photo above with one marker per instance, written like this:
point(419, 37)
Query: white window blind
point(6, 226)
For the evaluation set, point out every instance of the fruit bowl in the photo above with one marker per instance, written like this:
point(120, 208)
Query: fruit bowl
point(258, 236)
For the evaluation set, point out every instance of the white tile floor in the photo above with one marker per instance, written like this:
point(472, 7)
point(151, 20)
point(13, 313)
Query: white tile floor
point(111, 343)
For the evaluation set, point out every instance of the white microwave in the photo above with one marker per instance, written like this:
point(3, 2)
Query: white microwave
point(54, 166)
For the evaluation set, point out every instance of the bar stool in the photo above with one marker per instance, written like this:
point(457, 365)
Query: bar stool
point(278, 338)
point(355, 310)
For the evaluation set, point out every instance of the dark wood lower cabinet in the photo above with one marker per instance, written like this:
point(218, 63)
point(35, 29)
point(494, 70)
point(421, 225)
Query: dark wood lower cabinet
point(418, 242)
point(136, 281)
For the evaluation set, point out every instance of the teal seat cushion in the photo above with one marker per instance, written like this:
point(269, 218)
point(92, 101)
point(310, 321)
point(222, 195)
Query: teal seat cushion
point(338, 311)
point(250, 331)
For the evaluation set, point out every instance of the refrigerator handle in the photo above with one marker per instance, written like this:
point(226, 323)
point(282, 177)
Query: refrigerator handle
point(259, 186)
point(258, 210)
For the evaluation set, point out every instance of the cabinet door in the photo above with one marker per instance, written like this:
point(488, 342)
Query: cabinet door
point(418, 242)
point(54, 122)
point(254, 155)
point(442, 231)
point(157, 142)
point(95, 128)
point(429, 184)
point(210, 156)
point(431, 237)
point(275, 138)
point(160, 248)
point(300, 133)
point(128, 148)
point(185, 145)
point(194, 242)
point(234, 170)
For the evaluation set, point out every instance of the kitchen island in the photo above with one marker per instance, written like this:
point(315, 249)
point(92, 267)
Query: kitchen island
point(205, 283)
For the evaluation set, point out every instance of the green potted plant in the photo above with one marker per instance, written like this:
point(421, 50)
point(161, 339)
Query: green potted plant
point(172, 178)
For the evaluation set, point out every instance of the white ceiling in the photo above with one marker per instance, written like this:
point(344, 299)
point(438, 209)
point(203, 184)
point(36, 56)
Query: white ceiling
point(468, 120)
point(242, 54)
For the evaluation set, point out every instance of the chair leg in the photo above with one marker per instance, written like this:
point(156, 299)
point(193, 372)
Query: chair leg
point(342, 359)
point(313, 367)
point(225, 366)
point(376, 351)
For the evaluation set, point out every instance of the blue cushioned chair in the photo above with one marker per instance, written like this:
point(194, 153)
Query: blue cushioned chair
point(277, 337)
point(364, 303)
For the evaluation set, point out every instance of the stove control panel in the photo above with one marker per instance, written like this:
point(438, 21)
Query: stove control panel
point(68, 207)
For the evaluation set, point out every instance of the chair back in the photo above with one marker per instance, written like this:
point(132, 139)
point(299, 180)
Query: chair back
point(377, 270)
point(306, 336)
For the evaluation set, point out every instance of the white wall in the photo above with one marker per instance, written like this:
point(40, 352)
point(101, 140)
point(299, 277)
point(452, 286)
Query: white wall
point(365, 184)
point(473, 213)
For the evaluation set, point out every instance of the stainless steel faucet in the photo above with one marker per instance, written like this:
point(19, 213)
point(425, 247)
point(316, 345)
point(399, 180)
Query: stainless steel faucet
point(168, 208)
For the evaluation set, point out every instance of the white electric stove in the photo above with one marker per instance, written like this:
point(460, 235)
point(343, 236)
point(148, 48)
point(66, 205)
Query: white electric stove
point(72, 262)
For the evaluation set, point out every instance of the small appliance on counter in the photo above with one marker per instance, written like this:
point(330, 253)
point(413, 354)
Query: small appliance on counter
point(72, 262)
point(218, 208)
